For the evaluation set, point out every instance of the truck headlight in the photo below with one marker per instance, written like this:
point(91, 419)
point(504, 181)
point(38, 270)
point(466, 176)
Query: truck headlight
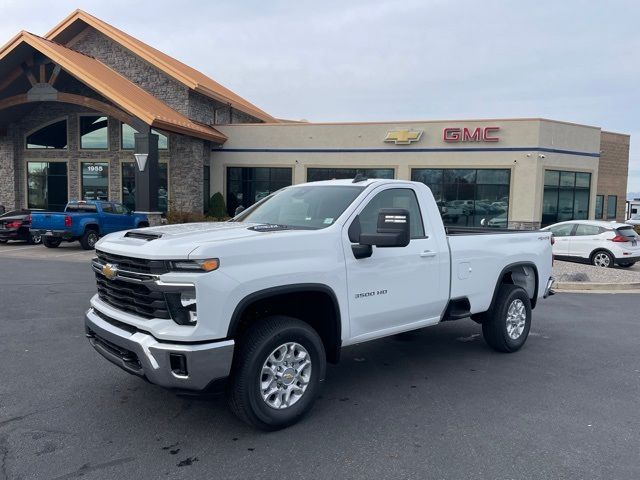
point(206, 265)
point(183, 307)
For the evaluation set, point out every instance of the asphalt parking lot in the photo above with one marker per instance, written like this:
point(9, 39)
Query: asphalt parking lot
point(435, 404)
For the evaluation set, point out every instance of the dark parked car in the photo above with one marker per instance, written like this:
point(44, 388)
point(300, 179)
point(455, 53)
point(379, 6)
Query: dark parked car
point(15, 225)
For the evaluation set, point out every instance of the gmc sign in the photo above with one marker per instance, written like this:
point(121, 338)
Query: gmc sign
point(454, 134)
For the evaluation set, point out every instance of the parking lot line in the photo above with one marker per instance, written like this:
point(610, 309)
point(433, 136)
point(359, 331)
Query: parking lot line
point(19, 249)
point(69, 254)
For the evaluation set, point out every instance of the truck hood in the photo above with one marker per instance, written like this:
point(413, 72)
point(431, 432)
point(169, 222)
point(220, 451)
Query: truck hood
point(178, 241)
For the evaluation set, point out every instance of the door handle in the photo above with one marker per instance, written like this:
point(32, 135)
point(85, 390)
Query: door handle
point(428, 253)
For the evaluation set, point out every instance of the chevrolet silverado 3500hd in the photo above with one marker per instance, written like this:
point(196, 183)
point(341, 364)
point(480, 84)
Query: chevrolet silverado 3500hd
point(263, 301)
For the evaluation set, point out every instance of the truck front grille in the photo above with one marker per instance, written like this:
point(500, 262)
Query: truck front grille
point(137, 265)
point(134, 298)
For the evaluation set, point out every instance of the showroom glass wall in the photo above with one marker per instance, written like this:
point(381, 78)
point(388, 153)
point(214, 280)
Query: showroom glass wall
point(129, 185)
point(466, 197)
point(247, 185)
point(95, 181)
point(317, 174)
point(47, 185)
point(566, 196)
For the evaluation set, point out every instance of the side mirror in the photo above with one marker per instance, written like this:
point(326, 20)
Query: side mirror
point(393, 229)
point(238, 211)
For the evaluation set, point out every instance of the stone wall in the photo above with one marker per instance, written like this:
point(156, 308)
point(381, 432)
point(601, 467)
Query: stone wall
point(613, 170)
point(140, 72)
point(186, 169)
point(8, 177)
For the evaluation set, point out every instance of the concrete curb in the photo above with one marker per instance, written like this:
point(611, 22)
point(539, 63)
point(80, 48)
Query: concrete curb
point(586, 286)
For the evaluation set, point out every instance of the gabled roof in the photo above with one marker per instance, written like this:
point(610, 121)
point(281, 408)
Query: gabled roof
point(66, 30)
point(114, 87)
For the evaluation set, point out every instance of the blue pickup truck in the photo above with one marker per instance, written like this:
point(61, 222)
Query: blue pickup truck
point(85, 221)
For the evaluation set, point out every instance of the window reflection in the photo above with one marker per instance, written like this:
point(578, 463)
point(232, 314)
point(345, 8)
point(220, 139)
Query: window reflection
point(95, 181)
point(47, 185)
point(246, 186)
point(52, 136)
point(467, 196)
point(566, 196)
point(318, 174)
point(94, 132)
point(127, 138)
point(129, 186)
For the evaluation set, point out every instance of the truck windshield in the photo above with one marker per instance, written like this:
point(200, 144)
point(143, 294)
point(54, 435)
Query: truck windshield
point(308, 207)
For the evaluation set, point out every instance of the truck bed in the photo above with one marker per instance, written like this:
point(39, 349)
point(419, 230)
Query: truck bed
point(452, 231)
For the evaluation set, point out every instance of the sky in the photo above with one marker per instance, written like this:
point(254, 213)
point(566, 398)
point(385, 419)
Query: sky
point(577, 61)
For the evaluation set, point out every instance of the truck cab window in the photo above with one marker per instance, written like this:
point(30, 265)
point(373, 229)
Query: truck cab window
point(393, 198)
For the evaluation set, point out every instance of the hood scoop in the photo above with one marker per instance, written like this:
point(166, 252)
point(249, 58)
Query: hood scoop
point(142, 235)
point(268, 227)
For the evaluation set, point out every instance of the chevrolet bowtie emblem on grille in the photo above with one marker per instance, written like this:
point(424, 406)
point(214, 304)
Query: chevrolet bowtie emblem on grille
point(110, 271)
point(403, 137)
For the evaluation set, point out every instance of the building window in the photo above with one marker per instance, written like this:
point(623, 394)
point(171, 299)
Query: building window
point(95, 181)
point(317, 174)
point(247, 185)
point(206, 188)
point(129, 185)
point(47, 185)
point(566, 196)
point(612, 206)
point(466, 197)
point(599, 207)
point(127, 139)
point(94, 132)
point(52, 136)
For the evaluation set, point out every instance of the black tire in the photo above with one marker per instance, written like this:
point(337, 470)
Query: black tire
point(495, 328)
point(51, 242)
point(602, 258)
point(252, 350)
point(626, 264)
point(143, 225)
point(34, 239)
point(4, 241)
point(89, 239)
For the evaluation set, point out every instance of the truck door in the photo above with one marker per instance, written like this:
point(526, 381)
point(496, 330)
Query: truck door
point(395, 287)
point(109, 220)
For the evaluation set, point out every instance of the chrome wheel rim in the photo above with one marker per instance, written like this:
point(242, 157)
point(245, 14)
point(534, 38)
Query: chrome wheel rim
point(601, 260)
point(36, 239)
point(93, 238)
point(285, 375)
point(516, 319)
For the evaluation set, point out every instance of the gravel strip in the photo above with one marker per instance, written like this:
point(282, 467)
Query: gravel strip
point(580, 272)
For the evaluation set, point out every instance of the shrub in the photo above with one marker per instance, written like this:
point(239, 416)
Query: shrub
point(217, 207)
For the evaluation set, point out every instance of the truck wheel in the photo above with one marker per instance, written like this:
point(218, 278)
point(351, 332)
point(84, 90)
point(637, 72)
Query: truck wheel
point(277, 369)
point(509, 319)
point(51, 242)
point(89, 239)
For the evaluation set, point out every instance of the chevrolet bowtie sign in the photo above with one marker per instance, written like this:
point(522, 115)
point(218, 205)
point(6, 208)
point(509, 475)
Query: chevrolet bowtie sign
point(403, 137)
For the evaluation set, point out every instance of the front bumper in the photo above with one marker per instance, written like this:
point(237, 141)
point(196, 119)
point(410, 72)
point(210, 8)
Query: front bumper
point(548, 288)
point(139, 353)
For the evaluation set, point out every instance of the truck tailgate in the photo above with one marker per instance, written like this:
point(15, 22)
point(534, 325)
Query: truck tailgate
point(48, 221)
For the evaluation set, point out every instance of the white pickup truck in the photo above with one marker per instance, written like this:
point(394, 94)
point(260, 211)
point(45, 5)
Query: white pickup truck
point(262, 302)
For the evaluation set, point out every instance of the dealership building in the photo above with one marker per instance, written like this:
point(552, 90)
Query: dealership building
point(89, 112)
